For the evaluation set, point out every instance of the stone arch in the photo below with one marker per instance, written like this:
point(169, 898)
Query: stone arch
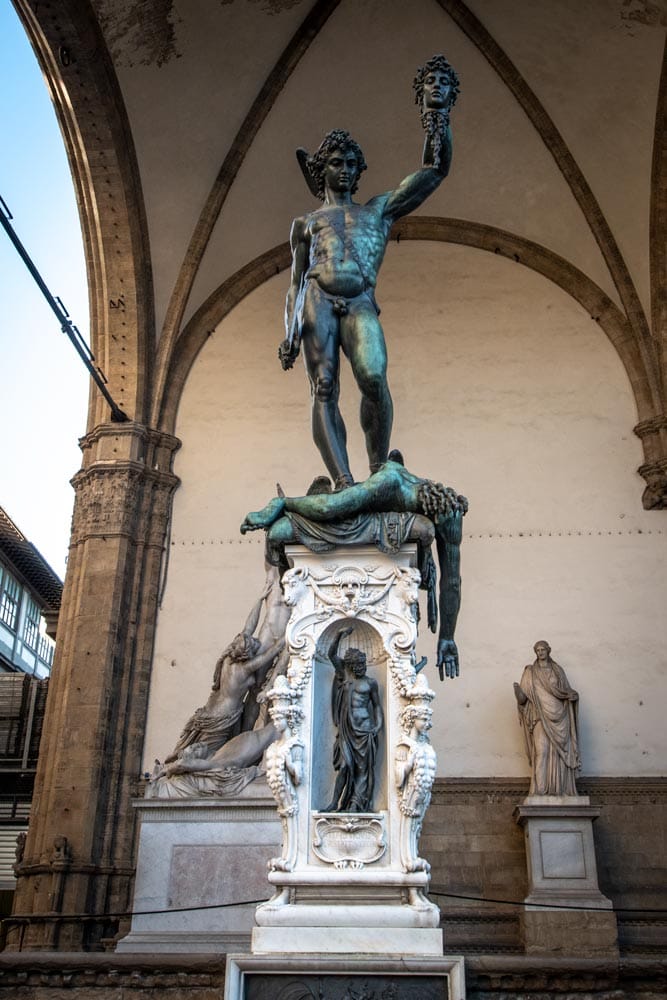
point(86, 96)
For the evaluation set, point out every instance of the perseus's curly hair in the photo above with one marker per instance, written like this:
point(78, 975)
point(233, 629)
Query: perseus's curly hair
point(436, 63)
point(338, 139)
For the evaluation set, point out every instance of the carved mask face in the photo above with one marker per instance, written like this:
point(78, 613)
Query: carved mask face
point(423, 723)
point(279, 722)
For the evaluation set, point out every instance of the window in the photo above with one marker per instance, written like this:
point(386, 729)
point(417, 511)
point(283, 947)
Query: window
point(45, 649)
point(9, 602)
point(31, 625)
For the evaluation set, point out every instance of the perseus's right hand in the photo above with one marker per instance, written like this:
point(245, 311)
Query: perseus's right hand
point(288, 352)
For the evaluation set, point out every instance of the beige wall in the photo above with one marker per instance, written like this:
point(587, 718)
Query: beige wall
point(504, 388)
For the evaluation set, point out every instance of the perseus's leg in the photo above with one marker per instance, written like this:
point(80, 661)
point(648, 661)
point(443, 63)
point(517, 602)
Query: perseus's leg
point(320, 343)
point(363, 342)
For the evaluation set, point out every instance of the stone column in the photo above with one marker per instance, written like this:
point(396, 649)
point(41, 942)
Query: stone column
point(93, 732)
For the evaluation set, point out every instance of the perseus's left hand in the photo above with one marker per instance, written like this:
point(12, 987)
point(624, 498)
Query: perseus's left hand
point(448, 659)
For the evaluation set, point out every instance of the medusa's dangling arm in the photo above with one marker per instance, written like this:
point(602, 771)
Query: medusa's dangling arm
point(449, 530)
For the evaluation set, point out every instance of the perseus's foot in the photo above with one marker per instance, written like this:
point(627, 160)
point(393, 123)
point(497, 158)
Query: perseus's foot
point(343, 481)
point(265, 517)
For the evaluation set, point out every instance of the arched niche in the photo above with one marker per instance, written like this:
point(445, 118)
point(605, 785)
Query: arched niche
point(368, 641)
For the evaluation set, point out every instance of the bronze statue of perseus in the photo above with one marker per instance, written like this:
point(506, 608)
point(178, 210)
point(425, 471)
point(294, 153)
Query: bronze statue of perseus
point(337, 251)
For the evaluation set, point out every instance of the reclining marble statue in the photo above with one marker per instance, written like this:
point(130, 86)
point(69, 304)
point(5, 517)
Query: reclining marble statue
point(337, 251)
point(221, 745)
point(548, 715)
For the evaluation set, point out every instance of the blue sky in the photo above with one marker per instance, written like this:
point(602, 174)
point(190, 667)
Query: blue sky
point(43, 385)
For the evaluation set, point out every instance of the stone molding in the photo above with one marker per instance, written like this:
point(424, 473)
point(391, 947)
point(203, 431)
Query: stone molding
point(201, 811)
point(628, 789)
point(499, 976)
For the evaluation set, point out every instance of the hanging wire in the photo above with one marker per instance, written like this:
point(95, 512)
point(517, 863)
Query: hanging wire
point(63, 317)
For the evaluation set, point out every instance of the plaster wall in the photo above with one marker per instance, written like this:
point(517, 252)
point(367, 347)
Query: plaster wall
point(504, 388)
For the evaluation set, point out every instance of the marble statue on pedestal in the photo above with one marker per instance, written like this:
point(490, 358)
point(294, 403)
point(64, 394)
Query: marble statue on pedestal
point(548, 715)
point(558, 823)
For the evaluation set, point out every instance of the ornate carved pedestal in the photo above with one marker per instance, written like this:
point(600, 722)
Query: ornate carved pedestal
point(349, 887)
point(351, 882)
point(565, 911)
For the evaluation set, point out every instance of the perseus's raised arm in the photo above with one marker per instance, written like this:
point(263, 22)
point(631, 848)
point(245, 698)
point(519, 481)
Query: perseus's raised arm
point(416, 188)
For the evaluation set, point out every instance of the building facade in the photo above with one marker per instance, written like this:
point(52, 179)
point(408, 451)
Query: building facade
point(30, 594)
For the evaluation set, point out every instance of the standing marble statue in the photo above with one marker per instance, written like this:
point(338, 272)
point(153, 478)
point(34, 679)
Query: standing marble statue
point(357, 715)
point(548, 716)
point(337, 251)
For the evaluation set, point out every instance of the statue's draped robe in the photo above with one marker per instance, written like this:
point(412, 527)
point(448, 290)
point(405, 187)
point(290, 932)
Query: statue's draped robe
point(354, 751)
point(220, 782)
point(549, 721)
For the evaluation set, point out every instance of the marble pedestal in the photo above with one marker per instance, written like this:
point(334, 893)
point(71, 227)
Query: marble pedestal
point(351, 883)
point(197, 858)
point(565, 912)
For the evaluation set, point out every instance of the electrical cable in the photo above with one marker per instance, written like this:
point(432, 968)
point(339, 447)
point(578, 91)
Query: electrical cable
point(434, 891)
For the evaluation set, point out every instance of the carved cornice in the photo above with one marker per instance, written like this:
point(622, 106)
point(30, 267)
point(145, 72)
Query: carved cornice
point(157, 438)
point(653, 426)
point(601, 789)
point(122, 499)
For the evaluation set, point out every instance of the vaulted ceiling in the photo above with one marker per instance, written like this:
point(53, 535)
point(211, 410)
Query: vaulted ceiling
point(182, 119)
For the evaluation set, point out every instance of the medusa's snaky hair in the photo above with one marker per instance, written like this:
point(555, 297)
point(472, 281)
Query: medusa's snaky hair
point(444, 66)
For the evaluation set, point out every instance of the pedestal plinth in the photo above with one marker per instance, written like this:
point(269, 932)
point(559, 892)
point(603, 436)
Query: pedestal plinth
point(565, 912)
point(199, 859)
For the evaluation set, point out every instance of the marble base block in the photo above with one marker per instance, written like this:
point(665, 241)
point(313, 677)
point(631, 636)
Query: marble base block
point(565, 912)
point(264, 977)
point(197, 858)
point(347, 940)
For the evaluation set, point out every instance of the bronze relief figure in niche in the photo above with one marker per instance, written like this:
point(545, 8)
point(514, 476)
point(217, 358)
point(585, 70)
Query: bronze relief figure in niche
point(357, 715)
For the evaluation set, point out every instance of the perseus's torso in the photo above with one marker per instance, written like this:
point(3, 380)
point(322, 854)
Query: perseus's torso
point(346, 247)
